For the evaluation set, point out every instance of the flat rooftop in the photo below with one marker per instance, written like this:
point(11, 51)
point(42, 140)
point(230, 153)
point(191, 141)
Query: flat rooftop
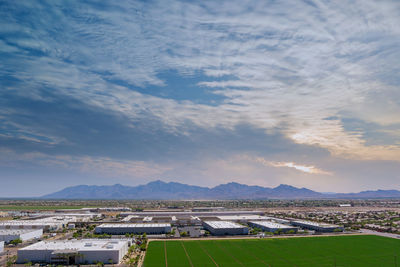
point(193, 213)
point(17, 231)
point(78, 245)
point(242, 217)
point(316, 223)
point(27, 222)
point(133, 225)
point(271, 224)
point(223, 224)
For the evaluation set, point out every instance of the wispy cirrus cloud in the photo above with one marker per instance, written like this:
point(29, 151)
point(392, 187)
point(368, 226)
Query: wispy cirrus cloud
point(299, 70)
point(282, 67)
point(300, 167)
point(100, 166)
point(303, 168)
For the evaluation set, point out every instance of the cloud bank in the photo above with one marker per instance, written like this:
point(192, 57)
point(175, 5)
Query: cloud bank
point(150, 85)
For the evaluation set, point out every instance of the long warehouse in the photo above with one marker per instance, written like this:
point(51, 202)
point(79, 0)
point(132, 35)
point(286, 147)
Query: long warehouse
point(191, 213)
point(19, 224)
point(1, 246)
point(71, 252)
point(272, 226)
point(225, 228)
point(8, 235)
point(319, 227)
point(133, 228)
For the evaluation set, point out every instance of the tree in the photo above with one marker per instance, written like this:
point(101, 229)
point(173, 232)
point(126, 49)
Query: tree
point(11, 261)
point(184, 234)
point(131, 249)
point(16, 241)
point(278, 232)
point(132, 262)
point(143, 247)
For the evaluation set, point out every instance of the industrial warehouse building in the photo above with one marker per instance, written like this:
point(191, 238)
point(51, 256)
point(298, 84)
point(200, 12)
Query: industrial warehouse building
point(272, 226)
point(8, 235)
point(319, 227)
point(70, 217)
point(225, 228)
point(71, 252)
point(1, 247)
point(46, 226)
point(133, 228)
point(243, 218)
point(179, 214)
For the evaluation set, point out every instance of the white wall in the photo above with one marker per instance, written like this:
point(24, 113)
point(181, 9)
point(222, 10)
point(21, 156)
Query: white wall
point(35, 233)
point(90, 256)
point(31, 235)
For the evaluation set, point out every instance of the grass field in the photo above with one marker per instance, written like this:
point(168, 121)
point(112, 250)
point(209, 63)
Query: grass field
point(349, 251)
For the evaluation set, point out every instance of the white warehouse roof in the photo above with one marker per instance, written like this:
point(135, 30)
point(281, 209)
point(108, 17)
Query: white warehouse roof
point(223, 224)
point(133, 225)
point(242, 217)
point(17, 231)
point(271, 224)
point(36, 222)
point(78, 245)
point(315, 223)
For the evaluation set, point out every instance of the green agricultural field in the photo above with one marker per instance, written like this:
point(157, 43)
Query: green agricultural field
point(349, 251)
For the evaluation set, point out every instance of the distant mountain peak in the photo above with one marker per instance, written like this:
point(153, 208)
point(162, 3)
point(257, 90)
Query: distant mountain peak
point(172, 190)
point(284, 186)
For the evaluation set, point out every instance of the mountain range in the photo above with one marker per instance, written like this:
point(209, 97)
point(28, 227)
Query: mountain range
point(178, 191)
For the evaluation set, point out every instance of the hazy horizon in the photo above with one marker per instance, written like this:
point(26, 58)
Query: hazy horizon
point(303, 93)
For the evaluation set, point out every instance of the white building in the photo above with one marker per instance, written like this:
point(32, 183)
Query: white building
point(243, 218)
point(272, 226)
point(225, 228)
point(8, 235)
point(71, 252)
point(129, 218)
point(1, 247)
point(28, 224)
point(279, 220)
point(76, 217)
point(319, 227)
point(133, 228)
point(179, 214)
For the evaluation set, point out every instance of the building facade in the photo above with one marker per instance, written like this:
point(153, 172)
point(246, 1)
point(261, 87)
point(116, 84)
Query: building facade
point(273, 227)
point(8, 235)
point(133, 228)
point(319, 227)
point(72, 252)
point(225, 228)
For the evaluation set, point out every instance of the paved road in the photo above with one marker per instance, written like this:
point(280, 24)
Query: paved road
point(371, 232)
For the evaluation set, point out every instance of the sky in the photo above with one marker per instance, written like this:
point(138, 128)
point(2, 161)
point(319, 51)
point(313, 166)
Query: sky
point(305, 93)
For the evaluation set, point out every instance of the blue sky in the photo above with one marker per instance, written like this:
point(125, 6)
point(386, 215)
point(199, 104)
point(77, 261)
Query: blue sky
point(305, 93)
